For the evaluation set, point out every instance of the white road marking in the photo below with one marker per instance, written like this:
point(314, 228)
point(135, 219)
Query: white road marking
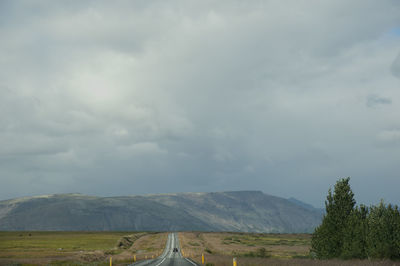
point(161, 262)
point(173, 241)
point(190, 262)
point(172, 245)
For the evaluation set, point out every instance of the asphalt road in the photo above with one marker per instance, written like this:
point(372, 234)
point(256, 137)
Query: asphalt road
point(168, 257)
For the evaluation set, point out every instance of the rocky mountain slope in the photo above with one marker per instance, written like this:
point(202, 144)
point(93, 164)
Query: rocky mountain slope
point(247, 211)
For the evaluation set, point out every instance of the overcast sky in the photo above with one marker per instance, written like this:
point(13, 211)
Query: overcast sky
point(136, 97)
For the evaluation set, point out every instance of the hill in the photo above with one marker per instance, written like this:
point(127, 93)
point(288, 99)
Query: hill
point(246, 211)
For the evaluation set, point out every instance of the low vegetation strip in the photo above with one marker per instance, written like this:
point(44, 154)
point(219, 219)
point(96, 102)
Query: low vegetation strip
point(64, 248)
point(247, 244)
point(252, 249)
point(95, 248)
point(223, 260)
point(16, 243)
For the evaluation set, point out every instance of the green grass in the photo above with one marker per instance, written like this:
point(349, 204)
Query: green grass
point(268, 239)
point(43, 244)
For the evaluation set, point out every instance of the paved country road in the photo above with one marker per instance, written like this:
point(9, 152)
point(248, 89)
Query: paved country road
point(168, 257)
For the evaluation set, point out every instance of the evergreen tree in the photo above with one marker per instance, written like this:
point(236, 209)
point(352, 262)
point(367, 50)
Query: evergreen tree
point(327, 240)
point(349, 232)
point(355, 234)
point(383, 238)
point(322, 239)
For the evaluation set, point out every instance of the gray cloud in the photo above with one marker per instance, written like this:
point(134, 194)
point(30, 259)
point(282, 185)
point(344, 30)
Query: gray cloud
point(391, 136)
point(147, 97)
point(396, 66)
point(374, 100)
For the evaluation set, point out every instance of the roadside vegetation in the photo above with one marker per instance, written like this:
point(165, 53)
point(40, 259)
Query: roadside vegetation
point(78, 248)
point(247, 248)
point(246, 244)
point(253, 249)
point(349, 231)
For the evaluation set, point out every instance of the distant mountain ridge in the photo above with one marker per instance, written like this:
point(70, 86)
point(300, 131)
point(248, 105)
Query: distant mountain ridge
point(247, 211)
point(305, 205)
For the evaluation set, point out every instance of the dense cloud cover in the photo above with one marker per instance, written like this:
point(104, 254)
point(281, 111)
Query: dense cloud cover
point(132, 97)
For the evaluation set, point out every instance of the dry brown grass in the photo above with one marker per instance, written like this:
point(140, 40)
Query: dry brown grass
point(192, 244)
point(284, 249)
point(239, 244)
point(219, 260)
point(148, 246)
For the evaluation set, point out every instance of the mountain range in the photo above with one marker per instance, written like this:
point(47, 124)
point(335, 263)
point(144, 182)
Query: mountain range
point(238, 211)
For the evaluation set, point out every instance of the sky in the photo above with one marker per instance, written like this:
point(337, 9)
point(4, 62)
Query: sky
point(134, 97)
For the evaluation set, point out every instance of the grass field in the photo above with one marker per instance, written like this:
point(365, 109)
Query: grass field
point(66, 248)
point(95, 248)
point(257, 249)
point(248, 245)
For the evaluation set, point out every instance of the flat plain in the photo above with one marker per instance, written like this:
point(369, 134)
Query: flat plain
point(219, 249)
point(252, 249)
point(78, 248)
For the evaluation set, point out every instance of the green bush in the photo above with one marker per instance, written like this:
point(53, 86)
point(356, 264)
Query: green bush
point(260, 253)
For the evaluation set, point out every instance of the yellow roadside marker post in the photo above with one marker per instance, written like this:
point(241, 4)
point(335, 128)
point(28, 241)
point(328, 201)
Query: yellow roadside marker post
point(134, 258)
point(202, 258)
point(145, 257)
point(234, 262)
point(110, 261)
point(152, 256)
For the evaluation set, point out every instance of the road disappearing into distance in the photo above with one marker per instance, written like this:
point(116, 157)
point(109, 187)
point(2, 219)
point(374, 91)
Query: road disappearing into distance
point(169, 257)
